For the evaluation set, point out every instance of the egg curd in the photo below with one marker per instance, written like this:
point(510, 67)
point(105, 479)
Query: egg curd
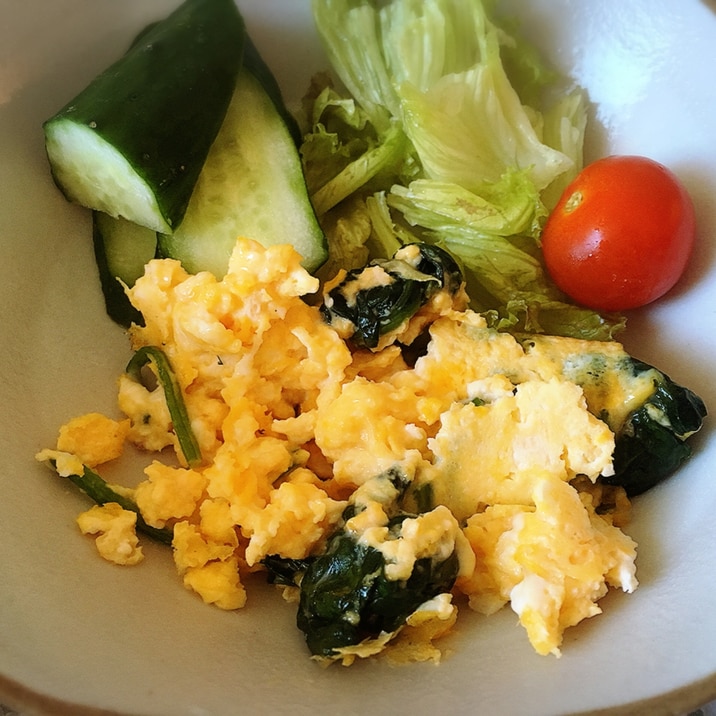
point(293, 423)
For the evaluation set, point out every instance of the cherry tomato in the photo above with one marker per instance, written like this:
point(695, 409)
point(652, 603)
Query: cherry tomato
point(620, 235)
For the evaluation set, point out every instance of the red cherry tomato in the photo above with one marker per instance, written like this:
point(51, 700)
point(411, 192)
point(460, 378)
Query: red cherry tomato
point(620, 235)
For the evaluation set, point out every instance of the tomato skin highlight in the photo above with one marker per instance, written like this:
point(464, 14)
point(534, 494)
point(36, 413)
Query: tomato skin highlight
point(621, 234)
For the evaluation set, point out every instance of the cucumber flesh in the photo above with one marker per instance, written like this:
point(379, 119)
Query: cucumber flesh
point(252, 185)
point(93, 173)
point(133, 142)
point(122, 250)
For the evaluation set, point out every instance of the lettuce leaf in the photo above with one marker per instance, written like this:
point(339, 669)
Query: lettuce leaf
point(378, 159)
point(343, 153)
point(492, 233)
point(351, 35)
point(506, 207)
point(459, 108)
point(447, 127)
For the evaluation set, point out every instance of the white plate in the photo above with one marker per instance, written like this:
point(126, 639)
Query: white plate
point(75, 630)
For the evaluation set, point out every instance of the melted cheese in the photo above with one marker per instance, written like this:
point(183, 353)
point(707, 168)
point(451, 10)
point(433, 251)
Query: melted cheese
point(602, 369)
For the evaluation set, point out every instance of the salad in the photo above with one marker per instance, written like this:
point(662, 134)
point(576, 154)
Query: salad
point(353, 370)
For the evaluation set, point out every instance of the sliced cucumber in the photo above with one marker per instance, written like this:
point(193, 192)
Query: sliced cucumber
point(133, 143)
point(122, 249)
point(252, 185)
point(257, 66)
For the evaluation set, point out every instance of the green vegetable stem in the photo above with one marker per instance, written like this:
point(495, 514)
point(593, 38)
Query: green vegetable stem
point(173, 393)
point(96, 488)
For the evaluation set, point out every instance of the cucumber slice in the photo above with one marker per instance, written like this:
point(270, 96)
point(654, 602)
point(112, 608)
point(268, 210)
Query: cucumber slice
point(133, 143)
point(257, 66)
point(252, 185)
point(122, 249)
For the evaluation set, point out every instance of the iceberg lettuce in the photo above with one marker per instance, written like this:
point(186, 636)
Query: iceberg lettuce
point(440, 124)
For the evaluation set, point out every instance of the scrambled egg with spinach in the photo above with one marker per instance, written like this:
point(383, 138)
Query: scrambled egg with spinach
point(465, 470)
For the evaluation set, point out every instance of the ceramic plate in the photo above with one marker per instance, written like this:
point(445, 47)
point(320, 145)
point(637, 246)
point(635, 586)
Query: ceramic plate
point(78, 635)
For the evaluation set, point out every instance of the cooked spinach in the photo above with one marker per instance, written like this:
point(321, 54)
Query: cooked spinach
point(651, 444)
point(379, 297)
point(347, 598)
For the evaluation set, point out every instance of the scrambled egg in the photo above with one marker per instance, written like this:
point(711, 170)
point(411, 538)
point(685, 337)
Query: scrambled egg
point(292, 422)
point(94, 438)
point(117, 541)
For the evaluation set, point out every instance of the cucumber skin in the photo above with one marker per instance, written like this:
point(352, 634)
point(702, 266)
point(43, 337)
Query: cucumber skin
point(167, 126)
point(122, 251)
point(256, 65)
point(116, 301)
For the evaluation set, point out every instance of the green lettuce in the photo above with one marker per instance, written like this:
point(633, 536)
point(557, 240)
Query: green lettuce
point(447, 127)
point(458, 106)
